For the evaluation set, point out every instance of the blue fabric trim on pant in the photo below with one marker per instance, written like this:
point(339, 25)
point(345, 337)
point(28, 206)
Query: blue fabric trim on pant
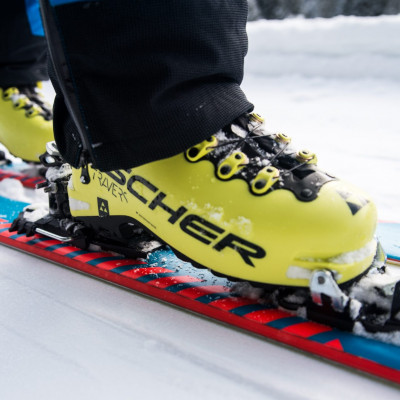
point(34, 18)
point(55, 3)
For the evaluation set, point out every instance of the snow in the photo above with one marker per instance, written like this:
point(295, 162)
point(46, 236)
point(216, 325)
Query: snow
point(34, 212)
point(77, 205)
point(356, 256)
point(295, 272)
point(58, 173)
point(385, 282)
point(333, 86)
point(390, 337)
point(14, 190)
point(342, 47)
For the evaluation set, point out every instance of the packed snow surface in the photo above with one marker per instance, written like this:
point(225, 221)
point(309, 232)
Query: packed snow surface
point(342, 47)
point(333, 85)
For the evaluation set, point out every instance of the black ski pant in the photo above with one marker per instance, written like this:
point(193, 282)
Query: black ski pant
point(22, 43)
point(142, 80)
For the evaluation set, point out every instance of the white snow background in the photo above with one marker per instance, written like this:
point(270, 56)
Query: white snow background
point(334, 86)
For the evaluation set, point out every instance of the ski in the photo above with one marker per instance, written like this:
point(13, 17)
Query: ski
point(21, 173)
point(389, 233)
point(164, 277)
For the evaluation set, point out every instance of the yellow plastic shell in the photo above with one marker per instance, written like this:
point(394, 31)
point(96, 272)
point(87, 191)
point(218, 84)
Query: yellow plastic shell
point(283, 138)
point(257, 118)
point(197, 152)
point(24, 132)
point(264, 180)
point(295, 235)
point(306, 156)
point(231, 165)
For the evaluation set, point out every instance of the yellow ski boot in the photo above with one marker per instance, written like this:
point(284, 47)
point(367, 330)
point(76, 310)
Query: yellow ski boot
point(25, 121)
point(243, 203)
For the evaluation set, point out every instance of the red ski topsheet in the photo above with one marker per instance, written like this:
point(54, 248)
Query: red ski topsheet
point(167, 278)
point(26, 180)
